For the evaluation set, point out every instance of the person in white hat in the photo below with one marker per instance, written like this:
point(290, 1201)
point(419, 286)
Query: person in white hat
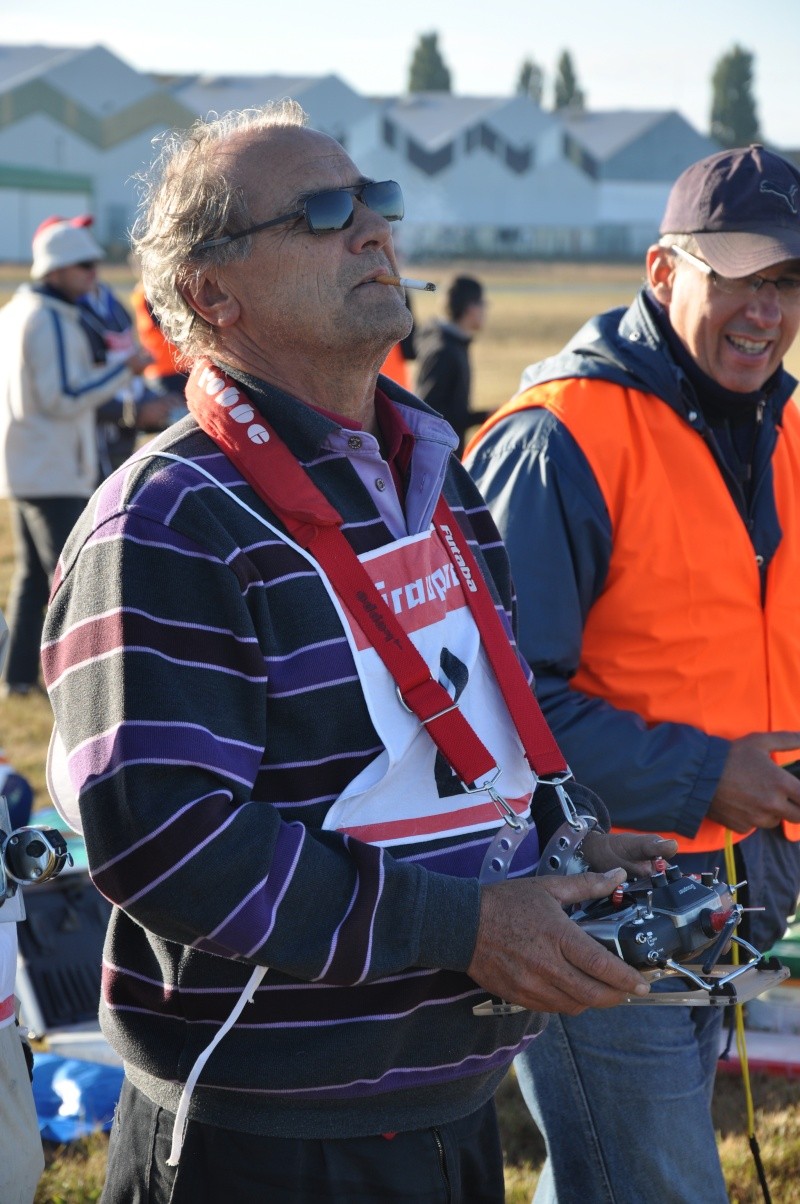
point(49, 391)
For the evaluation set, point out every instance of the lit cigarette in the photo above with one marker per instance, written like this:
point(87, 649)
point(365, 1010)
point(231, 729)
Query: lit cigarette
point(425, 286)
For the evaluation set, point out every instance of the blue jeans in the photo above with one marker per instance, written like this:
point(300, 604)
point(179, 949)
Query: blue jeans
point(622, 1097)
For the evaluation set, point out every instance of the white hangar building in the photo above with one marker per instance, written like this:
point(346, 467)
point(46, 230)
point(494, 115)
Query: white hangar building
point(483, 176)
point(85, 121)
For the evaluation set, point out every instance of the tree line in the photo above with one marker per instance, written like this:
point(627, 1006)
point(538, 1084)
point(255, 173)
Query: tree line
point(733, 116)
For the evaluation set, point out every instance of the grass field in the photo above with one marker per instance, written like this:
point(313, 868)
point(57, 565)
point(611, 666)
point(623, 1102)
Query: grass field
point(533, 310)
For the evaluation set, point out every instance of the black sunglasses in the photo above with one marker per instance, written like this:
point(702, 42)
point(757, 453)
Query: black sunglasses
point(88, 265)
point(327, 211)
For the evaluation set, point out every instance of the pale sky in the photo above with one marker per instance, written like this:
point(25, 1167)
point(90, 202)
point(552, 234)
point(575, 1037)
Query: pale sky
point(652, 54)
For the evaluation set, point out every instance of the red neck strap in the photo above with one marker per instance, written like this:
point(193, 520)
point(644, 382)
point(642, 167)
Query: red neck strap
point(227, 415)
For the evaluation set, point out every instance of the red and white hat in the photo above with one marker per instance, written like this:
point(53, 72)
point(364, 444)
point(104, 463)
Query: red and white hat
point(61, 242)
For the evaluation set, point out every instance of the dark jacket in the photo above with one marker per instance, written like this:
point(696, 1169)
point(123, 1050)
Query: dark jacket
point(551, 513)
point(443, 373)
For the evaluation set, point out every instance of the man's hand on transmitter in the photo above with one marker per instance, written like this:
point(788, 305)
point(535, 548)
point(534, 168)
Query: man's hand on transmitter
point(529, 952)
point(633, 851)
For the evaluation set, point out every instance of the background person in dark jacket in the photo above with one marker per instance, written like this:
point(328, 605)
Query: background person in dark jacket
point(443, 368)
point(647, 484)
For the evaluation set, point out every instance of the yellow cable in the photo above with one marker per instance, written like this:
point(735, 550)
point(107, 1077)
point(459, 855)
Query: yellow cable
point(741, 1046)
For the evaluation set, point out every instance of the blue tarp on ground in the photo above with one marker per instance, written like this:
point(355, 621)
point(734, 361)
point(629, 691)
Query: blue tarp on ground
point(74, 1098)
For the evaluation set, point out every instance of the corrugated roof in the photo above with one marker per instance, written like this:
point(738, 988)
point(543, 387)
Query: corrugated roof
point(99, 81)
point(88, 89)
point(20, 63)
point(221, 93)
point(434, 118)
point(604, 134)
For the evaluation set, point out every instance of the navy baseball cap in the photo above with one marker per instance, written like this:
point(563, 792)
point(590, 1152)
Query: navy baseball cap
point(743, 208)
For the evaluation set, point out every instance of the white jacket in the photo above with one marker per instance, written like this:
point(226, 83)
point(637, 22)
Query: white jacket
point(49, 390)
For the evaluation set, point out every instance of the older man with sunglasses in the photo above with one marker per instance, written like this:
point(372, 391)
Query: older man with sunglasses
point(647, 483)
point(302, 742)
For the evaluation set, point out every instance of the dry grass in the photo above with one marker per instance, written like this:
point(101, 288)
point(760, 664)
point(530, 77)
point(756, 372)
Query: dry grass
point(533, 310)
point(74, 1173)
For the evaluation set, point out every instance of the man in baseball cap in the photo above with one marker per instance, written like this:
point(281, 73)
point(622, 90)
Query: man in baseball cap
point(743, 208)
point(50, 388)
point(647, 483)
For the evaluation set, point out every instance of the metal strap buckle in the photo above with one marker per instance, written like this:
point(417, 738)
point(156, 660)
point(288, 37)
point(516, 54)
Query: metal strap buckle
point(430, 718)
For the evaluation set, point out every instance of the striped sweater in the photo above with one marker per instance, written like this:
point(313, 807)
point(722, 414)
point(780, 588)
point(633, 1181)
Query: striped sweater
point(208, 699)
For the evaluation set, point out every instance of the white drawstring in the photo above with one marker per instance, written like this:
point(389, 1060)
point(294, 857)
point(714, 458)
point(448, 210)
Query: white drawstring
point(182, 1115)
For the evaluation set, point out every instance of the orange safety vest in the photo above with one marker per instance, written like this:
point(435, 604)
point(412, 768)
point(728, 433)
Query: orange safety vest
point(685, 638)
point(395, 366)
point(166, 357)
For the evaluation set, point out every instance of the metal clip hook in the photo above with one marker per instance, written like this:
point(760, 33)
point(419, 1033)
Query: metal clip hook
point(506, 810)
point(567, 805)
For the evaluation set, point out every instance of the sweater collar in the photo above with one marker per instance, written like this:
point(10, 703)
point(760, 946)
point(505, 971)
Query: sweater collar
point(306, 430)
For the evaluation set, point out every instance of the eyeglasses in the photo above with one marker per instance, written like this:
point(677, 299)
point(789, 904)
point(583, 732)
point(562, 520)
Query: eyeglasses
point(327, 211)
point(88, 265)
point(787, 287)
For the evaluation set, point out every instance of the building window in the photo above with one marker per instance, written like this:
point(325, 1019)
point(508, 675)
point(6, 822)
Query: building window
point(580, 157)
point(489, 139)
point(519, 160)
point(430, 162)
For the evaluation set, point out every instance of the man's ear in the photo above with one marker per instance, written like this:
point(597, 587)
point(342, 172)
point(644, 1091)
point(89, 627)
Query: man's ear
point(210, 297)
point(660, 271)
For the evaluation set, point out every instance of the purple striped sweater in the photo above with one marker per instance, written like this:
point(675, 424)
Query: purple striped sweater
point(209, 703)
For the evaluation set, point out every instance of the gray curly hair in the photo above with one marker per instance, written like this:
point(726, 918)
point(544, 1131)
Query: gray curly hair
point(185, 199)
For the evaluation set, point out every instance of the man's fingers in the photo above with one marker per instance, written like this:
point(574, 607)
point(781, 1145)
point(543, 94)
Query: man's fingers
point(637, 853)
point(574, 888)
point(658, 846)
point(633, 851)
point(600, 977)
point(781, 741)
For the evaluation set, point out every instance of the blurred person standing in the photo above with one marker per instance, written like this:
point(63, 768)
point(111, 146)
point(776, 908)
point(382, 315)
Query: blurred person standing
point(135, 408)
point(444, 376)
point(166, 372)
point(49, 392)
point(646, 481)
